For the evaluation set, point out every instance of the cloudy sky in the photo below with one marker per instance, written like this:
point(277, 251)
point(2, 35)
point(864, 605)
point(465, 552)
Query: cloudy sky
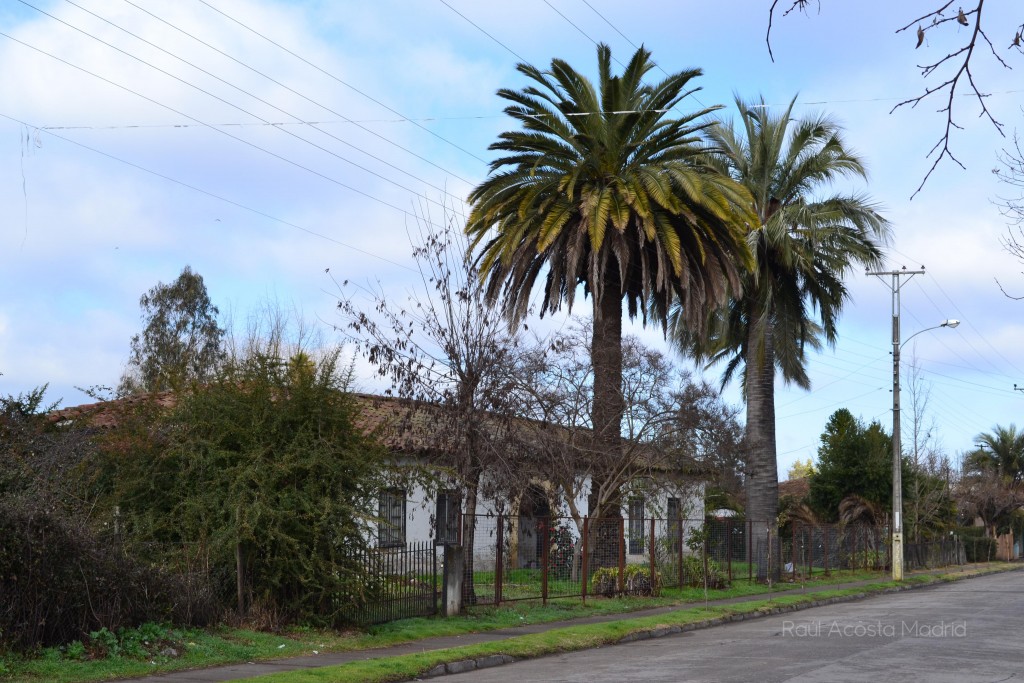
point(263, 142)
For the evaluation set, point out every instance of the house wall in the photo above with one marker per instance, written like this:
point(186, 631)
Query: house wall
point(524, 527)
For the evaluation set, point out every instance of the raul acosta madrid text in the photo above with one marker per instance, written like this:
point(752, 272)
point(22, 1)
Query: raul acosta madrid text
point(875, 629)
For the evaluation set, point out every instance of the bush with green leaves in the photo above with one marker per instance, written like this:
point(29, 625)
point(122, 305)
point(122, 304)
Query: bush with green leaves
point(264, 468)
point(699, 571)
point(636, 580)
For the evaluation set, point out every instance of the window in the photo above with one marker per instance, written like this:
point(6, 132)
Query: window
point(446, 518)
point(675, 523)
point(636, 526)
point(391, 527)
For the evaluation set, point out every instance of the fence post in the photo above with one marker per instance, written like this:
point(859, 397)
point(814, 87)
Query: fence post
point(679, 550)
point(825, 554)
point(794, 551)
point(622, 555)
point(809, 533)
point(750, 550)
point(728, 548)
point(545, 552)
point(586, 565)
point(454, 569)
point(433, 549)
point(654, 570)
point(499, 560)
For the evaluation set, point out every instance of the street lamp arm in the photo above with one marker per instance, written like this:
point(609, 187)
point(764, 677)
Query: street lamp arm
point(946, 323)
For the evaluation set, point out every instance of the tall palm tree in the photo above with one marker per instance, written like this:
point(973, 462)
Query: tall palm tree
point(804, 240)
point(602, 188)
point(1005, 454)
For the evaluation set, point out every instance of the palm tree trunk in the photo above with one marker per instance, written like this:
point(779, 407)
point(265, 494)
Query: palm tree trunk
point(606, 416)
point(762, 479)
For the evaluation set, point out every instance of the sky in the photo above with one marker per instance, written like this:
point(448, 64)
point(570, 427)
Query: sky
point(264, 143)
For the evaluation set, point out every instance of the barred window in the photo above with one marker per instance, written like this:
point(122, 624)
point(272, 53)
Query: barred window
point(446, 517)
point(391, 527)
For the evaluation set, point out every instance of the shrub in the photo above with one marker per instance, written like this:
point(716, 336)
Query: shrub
point(977, 546)
point(59, 581)
point(694, 574)
point(636, 577)
point(562, 552)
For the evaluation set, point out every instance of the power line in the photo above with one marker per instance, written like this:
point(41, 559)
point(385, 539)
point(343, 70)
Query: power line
point(217, 196)
point(218, 130)
point(831, 405)
point(616, 29)
point(335, 78)
point(966, 319)
point(296, 92)
point(235, 106)
point(975, 330)
point(479, 28)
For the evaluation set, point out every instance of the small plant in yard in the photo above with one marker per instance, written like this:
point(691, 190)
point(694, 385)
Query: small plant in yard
point(562, 551)
point(636, 579)
point(147, 642)
point(695, 574)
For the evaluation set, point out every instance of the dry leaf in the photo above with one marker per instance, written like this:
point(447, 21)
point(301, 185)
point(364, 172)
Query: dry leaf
point(920, 37)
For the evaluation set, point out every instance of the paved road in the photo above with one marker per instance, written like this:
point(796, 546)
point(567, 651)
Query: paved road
point(966, 631)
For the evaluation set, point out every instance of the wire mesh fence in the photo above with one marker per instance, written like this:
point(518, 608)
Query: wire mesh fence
point(520, 557)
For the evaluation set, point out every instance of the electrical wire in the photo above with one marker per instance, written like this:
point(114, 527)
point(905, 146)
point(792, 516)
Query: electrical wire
point(338, 80)
point(299, 94)
point(213, 195)
point(239, 108)
point(218, 130)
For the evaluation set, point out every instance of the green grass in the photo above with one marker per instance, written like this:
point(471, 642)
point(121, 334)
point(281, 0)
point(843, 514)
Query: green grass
point(225, 646)
point(565, 639)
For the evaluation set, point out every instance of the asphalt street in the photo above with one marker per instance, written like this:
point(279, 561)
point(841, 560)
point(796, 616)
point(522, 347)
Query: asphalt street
point(960, 632)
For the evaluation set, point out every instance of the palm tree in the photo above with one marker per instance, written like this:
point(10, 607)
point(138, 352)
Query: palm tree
point(805, 239)
point(1005, 454)
point(601, 188)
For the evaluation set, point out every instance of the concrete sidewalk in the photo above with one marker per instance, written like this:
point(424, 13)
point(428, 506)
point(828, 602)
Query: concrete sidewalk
point(250, 669)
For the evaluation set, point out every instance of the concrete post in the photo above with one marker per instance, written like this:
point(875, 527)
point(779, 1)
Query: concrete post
point(454, 565)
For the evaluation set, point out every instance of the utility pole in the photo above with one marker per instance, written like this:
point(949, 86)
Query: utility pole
point(897, 459)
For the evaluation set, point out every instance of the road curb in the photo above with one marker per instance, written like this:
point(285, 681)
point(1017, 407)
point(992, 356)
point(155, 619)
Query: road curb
point(464, 665)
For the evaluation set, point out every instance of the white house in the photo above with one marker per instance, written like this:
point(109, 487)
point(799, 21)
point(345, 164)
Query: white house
point(415, 512)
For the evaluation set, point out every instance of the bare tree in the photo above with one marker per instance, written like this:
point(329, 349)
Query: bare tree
point(1010, 172)
point(989, 497)
point(948, 75)
point(929, 495)
point(451, 358)
point(674, 429)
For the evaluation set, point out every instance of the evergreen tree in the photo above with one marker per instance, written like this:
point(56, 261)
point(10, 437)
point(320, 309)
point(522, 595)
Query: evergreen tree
point(181, 340)
point(853, 459)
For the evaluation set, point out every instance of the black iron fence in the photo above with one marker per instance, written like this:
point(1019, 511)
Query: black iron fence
point(399, 582)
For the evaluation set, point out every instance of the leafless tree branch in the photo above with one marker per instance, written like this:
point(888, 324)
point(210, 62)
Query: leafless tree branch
point(959, 60)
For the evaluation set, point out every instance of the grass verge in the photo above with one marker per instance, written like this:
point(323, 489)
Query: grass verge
point(574, 638)
point(221, 646)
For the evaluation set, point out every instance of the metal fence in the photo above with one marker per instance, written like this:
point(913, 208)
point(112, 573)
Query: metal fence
point(510, 558)
point(526, 558)
point(400, 582)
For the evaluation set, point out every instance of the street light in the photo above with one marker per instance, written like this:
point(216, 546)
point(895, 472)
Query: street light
point(897, 447)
